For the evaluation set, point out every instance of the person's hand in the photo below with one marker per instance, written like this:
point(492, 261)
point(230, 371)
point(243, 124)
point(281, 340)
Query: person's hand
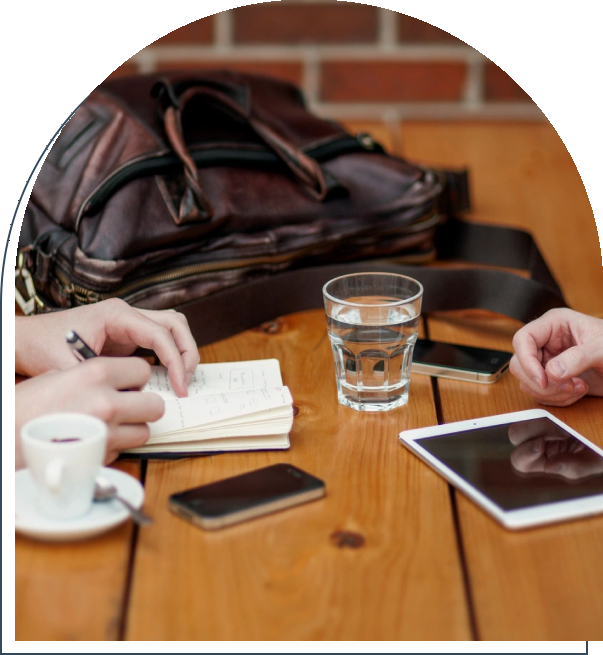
point(110, 328)
point(559, 357)
point(94, 387)
point(544, 448)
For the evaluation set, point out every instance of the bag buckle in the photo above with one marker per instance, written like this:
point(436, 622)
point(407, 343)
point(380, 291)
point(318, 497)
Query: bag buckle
point(33, 303)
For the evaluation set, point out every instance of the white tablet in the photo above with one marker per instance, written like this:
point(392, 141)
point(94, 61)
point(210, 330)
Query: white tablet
point(525, 468)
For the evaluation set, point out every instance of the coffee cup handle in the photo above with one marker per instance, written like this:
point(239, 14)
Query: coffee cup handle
point(54, 475)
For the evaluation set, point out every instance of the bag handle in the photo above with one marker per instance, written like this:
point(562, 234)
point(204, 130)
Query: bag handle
point(194, 204)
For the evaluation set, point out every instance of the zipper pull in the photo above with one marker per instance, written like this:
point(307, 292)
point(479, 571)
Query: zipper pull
point(24, 281)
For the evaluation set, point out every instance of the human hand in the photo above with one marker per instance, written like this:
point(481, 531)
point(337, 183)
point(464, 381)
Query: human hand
point(559, 357)
point(545, 448)
point(94, 387)
point(110, 328)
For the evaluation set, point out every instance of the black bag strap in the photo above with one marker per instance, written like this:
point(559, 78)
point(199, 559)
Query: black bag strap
point(494, 246)
point(240, 308)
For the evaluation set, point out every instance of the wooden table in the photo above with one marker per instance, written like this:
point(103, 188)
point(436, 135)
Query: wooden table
point(393, 552)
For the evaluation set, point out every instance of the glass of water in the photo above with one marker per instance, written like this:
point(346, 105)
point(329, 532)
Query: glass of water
point(372, 321)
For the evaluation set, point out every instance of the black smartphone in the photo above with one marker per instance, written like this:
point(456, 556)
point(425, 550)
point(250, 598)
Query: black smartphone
point(449, 360)
point(247, 496)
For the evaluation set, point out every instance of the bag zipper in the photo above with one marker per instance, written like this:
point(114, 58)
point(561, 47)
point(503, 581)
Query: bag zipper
point(87, 296)
point(218, 157)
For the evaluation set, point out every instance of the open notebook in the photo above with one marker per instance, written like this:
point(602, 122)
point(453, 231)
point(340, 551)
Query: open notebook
point(232, 406)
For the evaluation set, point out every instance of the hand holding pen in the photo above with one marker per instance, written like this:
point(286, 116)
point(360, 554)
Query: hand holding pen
point(94, 387)
point(111, 329)
point(79, 347)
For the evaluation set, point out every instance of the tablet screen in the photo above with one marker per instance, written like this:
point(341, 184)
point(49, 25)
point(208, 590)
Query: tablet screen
point(520, 465)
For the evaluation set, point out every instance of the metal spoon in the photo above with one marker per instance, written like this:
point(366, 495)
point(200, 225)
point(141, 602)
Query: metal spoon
point(104, 490)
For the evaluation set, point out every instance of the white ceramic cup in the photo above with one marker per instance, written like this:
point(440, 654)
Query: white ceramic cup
point(64, 453)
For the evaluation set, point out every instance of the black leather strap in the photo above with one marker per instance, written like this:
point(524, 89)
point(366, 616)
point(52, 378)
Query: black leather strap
point(245, 306)
point(494, 246)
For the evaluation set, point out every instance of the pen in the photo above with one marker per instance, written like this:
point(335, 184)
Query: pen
point(79, 347)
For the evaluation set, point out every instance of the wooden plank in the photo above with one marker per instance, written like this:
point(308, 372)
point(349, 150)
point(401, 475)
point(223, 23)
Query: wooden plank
point(537, 584)
point(523, 176)
point(543, 583)
point(73, 591)
point(291, 575)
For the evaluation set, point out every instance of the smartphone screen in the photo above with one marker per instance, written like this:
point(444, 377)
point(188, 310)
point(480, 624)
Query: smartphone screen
point(465, 358)
point(248, 495)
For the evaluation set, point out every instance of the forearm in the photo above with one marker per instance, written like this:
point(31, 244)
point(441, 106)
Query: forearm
point(40, 344)
point(25, 346)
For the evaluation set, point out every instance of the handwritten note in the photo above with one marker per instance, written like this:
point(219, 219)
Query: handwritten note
point(183, 414)
point(211, 379)
point(230, 406)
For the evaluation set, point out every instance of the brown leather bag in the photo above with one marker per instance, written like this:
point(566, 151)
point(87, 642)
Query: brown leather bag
point(221, 195)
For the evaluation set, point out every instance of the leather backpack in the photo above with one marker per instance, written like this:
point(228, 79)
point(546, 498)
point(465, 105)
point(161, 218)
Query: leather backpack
point(221, 195)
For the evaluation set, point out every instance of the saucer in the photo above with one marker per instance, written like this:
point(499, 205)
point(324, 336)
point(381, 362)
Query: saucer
point(102, 516)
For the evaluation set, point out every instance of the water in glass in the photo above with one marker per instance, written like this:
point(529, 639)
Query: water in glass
point(372, 349)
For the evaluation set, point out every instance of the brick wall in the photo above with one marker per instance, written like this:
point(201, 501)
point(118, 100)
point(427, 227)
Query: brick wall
point(352, 61)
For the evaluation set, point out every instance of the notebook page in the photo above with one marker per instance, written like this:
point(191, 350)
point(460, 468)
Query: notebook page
point(270, 421)
point(212, 379)
point(282, 415)
point(187, 413)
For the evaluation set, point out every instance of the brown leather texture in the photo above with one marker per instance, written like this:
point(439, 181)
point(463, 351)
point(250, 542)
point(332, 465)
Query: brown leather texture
point(163, 188)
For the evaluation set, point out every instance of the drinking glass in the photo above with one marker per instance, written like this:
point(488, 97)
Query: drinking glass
point(372, 322)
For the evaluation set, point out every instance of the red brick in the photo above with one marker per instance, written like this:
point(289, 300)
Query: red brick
point(286, 70)
point(392, 81)
point(412, 30)
point(200, 31)
point(292, 23)
point(499, 87)
point(129, 68)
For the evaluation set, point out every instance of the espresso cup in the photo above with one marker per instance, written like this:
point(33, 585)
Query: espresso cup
point(64, 453)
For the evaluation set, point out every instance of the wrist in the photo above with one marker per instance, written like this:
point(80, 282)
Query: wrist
point(33, 355)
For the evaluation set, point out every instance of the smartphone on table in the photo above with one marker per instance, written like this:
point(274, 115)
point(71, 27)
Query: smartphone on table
point(449, 360)
point(246, 496)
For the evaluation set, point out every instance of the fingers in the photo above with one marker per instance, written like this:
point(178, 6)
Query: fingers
point(528, 343)
point(120, 373)
point(575, 361)
point(530, 382)
point(563, 397)
point(148, 333)
point(127, 415)
point(124, 437)
point(557, 394)
point(560, 347)
point(111, 376)
point(165, 332)
point(138, 407)
point(178, 326)
point(116, 407)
